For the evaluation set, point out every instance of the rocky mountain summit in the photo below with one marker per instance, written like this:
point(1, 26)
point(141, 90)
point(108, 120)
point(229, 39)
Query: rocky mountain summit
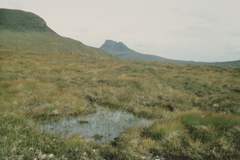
point(120, 50)
point(113, 46)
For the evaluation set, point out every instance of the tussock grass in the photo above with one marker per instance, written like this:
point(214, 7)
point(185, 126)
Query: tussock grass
point(196, 135)
point(196, 108)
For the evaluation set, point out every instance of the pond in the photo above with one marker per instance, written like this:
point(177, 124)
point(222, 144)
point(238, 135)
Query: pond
point(102, 126)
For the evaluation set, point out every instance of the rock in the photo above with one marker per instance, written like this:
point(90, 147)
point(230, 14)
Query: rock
point(158, 158)
point(202, 128)
point(91, 99)
point(170, 107)
point(236, 90)
point(97, 136)
point(116, 142)
point(82, 121)
point(55, 112)
point(160, 98)
point(199, 93)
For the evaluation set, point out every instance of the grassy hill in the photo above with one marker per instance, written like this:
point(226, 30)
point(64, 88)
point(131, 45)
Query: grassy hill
point(46, 42)
point(26, 30)
point(17, 20)
point(196, 109)
point(120, 50)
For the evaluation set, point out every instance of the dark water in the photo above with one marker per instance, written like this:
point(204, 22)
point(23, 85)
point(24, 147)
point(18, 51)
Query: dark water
point(102, 126)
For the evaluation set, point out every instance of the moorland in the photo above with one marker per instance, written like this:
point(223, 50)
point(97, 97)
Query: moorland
point(196, 108)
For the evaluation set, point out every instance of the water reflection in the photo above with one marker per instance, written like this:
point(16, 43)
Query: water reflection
point(102, 126)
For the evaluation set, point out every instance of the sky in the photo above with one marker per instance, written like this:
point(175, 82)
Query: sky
point(198, 30)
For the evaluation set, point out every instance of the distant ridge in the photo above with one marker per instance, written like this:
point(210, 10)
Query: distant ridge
point(120, 50)
point(27, 30)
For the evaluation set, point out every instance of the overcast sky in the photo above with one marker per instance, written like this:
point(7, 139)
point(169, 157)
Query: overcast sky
point(199, 30)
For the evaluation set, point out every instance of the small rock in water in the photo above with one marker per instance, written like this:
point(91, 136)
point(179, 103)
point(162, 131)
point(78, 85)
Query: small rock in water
point(82, 121)
point(97, 136)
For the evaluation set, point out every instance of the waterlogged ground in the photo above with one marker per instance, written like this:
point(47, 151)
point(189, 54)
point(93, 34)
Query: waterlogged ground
point(102, 126)
point(195, 116)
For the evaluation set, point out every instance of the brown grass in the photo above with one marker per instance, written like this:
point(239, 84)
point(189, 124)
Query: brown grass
point(42, 85)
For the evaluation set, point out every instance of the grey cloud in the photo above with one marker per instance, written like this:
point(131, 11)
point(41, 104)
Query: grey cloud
point(83, 30)
point(234, 33)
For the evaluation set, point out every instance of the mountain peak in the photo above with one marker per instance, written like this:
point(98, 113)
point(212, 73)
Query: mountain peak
point(111, 46)
point(17, 20)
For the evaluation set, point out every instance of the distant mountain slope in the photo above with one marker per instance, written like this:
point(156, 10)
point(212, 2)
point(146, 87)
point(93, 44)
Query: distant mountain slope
point(120, 50)
point(26, 30)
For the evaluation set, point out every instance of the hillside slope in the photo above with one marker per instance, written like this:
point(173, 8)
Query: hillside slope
point(26, 30)
point(120, 50)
